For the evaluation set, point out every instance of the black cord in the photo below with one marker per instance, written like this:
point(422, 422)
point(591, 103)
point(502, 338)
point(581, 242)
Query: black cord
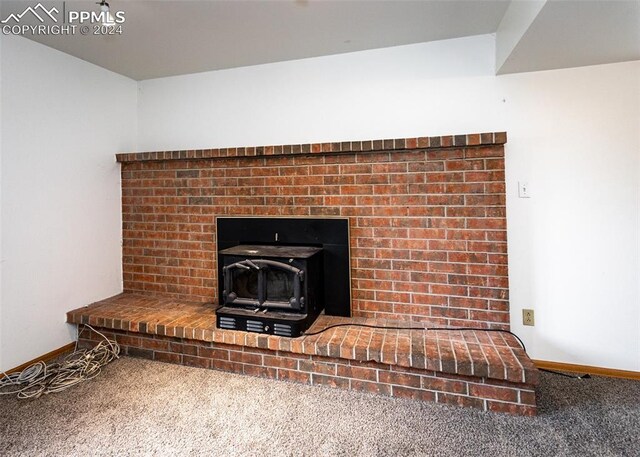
point(446, 329)
point(584, 376)
point(559, 373)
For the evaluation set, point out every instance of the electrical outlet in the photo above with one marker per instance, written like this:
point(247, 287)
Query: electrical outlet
point(528, 317)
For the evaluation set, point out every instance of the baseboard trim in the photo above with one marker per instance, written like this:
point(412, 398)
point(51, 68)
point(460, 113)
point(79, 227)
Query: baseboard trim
point(45, 357)
point(609, 372)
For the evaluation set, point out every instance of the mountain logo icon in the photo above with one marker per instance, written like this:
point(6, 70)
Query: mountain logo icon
point(34, 10)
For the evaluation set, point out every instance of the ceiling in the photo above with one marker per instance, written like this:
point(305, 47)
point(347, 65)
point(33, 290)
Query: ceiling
point(166, 38)
point(577, 33)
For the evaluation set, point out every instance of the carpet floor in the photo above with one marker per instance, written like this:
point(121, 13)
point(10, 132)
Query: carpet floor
point(139, 407)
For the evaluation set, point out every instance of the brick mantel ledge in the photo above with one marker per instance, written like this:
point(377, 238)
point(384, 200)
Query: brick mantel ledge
point(433, 142)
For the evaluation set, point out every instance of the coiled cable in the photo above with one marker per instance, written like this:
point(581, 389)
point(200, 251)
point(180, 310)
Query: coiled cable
point(81, 365)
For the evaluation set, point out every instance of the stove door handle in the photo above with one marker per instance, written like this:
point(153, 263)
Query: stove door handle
point(237, 265)
point(281, 265)
point(251, 264)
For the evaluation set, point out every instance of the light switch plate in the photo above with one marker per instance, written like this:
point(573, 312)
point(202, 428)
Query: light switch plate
point(523, 189)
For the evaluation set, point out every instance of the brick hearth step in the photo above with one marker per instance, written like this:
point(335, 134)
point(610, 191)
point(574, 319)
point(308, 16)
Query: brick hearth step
point(486, 370)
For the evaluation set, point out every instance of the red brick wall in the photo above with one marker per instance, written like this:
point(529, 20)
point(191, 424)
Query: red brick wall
point(427, 222)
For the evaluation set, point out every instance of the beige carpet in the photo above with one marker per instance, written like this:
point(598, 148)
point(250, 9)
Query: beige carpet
point(138, 407)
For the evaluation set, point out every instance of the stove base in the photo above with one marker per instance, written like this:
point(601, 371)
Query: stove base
point(272, 323)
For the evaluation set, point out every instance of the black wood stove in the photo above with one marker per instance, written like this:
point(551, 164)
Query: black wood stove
point(271, 289)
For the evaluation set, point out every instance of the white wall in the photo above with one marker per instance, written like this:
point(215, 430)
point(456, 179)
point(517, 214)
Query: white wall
point(63, 121)
point(573, 135)
point(574, 246)
point(1, 46)
point(401, 91)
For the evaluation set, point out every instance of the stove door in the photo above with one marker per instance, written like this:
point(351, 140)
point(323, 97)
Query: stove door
point(243, 284)
point(263, 283)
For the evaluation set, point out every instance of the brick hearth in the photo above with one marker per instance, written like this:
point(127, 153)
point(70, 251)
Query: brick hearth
point(485, 370)
point(428, 248)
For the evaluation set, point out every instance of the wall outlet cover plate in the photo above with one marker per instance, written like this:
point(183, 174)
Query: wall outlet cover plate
point(528, 317)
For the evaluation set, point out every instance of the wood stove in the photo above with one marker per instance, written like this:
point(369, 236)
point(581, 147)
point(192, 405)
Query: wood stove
point(271, 289)
point(275, 275)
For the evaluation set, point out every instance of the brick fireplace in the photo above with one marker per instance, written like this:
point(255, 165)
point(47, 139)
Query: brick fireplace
point(427, 236)
point(427, 219)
